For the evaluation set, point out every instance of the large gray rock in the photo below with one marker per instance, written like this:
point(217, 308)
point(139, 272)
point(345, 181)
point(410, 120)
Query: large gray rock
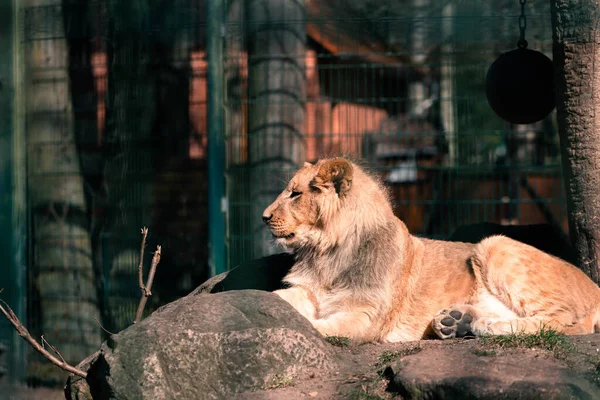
point(76, 387)
point(456, 372)
point(206, 346)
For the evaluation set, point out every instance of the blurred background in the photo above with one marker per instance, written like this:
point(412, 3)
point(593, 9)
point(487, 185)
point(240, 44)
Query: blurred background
point(121, 114)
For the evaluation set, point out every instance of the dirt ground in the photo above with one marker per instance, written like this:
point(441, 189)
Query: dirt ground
point(362, 373)
point(26, 393)
point(359, 377)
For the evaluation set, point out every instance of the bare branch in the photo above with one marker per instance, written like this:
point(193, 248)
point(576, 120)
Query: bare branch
point(53, 348)
point(24, 333)
point(155, 261)
point(103, 328)
point(147, 293)
point(141, 264)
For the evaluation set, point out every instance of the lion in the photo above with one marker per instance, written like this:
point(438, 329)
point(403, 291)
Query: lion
point(360, 274)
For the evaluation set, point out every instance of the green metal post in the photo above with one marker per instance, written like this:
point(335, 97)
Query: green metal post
point(216, 140)
point(12, 186)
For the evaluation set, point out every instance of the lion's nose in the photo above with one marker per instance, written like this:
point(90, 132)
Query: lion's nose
point(267, 217)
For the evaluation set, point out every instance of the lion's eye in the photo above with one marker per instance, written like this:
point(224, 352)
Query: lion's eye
point(295, 194)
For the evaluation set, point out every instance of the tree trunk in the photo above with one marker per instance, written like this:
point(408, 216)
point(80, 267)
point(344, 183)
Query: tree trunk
point(447, 83)
point(276, 93)
point(577, 77)
point(417, 91)
point(13, 202)
point(62, 268)
point(131, 107)
point(80, 32)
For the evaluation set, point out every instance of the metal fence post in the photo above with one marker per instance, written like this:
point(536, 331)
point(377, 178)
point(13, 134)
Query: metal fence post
point(216, 140)
point(12, 185)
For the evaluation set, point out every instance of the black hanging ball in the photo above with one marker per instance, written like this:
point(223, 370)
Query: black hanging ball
point(520, 86)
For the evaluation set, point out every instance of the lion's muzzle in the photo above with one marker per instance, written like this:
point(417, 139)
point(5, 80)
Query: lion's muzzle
point(267, 218)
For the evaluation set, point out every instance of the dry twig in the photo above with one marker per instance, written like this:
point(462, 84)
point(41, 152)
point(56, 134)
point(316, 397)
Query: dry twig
point(103, 328)
point(53, 349)
point(24, 333)
point(141, 264)
point(146, 292)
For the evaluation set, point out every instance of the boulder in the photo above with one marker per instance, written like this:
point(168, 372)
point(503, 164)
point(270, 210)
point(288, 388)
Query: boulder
point(206, 346)
point(456, 372)
point(77, 388)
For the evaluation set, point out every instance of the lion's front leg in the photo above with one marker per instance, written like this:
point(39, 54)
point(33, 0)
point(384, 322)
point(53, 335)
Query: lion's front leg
point(301, 299)
point(353, 325)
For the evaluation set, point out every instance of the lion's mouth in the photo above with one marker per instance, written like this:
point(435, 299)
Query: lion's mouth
point(286, 237)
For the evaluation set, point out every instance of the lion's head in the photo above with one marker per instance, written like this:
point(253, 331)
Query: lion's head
point(315, 193)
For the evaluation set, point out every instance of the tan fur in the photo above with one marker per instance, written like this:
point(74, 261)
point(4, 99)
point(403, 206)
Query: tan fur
point(359, 273)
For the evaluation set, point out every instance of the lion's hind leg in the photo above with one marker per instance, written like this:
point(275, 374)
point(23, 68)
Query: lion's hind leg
point(539, 290)
point(464, 320)
point(521, 290)
point(531, 325)
point(460, 320)
point(467, 320)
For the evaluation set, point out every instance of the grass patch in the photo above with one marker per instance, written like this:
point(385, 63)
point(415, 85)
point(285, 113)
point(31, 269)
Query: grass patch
point(388, 356)
point(338, 341)
point(362, 394)
point(376, 388)
point(482, 352)
point(367, 391)
point(595, 369)
point(546, 338)
point(279, 381)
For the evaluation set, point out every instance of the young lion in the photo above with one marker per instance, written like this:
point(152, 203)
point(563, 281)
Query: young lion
point(359, 273)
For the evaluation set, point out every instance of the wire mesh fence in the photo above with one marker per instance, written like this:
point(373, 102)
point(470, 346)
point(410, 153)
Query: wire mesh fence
point(116, 135)
point(400, 85)
point(116, 132)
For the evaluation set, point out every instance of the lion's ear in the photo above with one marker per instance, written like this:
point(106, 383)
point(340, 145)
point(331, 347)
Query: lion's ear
point(307, 164)
point(336, 172)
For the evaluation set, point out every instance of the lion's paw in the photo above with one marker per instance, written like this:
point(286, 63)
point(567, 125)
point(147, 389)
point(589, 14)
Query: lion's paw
point(322, 327)
point(298, 299)
point(453, 322)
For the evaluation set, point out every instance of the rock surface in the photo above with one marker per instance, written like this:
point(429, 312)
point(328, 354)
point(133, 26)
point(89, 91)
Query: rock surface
point(453, 369)
point(207, 346)
point(251, 345)
point(457, 372)
point(76, 387)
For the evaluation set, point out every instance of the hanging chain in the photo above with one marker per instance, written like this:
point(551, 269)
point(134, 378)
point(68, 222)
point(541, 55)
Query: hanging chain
point(522, 43)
